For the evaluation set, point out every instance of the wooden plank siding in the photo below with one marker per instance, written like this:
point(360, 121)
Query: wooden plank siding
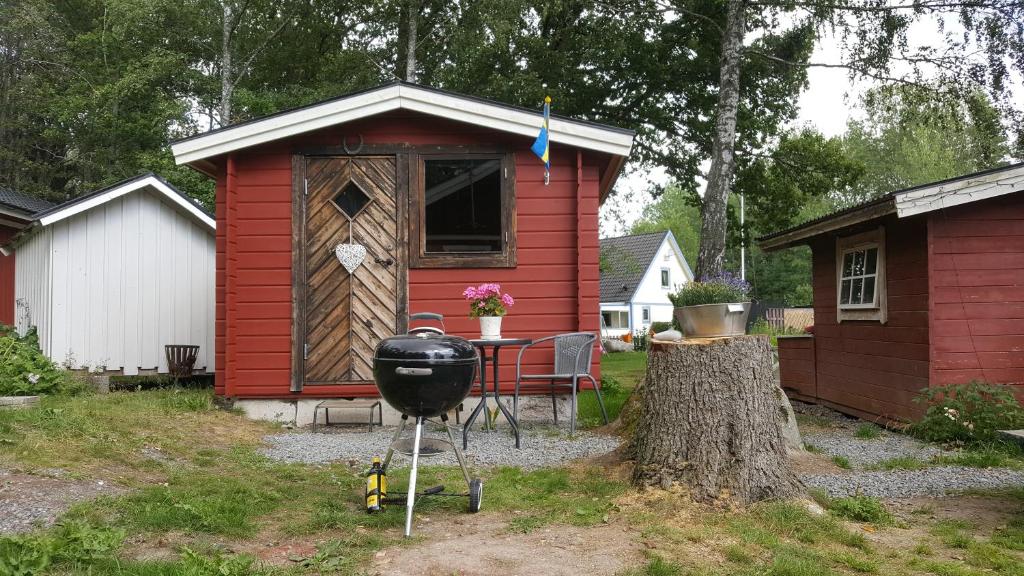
point(7, 278)
point(555, 283)
point(867, 367)
point(797, 367)
point(976, 255)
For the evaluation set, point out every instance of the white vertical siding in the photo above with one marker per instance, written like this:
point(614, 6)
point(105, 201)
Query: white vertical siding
point(32, 287)
point(129, 277)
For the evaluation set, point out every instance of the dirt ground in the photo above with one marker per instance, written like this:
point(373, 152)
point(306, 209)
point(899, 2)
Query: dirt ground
point(31, 500)
point(482, 545)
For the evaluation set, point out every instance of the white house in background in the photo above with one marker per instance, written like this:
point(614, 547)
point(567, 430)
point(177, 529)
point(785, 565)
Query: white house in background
point(111, 277)
point(637, 274)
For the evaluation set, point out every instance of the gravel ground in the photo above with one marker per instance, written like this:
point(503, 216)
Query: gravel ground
point(541, 447)
point(864, 452)
point(27, 501)
point(936, 481)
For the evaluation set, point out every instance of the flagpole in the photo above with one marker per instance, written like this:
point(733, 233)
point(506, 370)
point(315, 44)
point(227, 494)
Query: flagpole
point(547, 126)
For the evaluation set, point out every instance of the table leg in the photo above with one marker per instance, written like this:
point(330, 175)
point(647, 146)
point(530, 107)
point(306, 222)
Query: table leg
point(481, 406)
point(497, 399)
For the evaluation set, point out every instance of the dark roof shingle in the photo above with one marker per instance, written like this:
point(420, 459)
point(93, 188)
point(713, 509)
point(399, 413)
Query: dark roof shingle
point(624, 261)
point(22, 203)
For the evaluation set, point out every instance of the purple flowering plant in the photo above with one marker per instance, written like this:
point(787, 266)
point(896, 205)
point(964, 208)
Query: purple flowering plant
point(721, 288)
point(487, 300)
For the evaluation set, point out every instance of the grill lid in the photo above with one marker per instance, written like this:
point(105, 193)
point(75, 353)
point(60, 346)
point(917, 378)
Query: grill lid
point(426, 346)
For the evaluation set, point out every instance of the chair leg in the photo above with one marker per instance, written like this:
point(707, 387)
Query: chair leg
point(554, 402)
point(315, 411)
point(600, 400)
point(515, 398)
point(572, 415)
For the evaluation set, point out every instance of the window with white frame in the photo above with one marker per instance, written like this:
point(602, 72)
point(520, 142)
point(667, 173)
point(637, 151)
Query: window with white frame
point(615, 318)
point(646, 314)
point(859, 278)
point(666, 278)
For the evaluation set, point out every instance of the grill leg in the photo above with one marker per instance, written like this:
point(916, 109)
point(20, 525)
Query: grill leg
point(391, 447)
point(455, 445)
point(412, 476)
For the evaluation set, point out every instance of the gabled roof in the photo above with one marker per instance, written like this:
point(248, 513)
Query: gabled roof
point(907, 202)
point(627, 260)
point(401, 96)
point(11, 201)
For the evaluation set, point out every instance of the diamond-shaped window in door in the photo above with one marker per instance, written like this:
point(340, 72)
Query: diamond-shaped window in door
point(351, 200)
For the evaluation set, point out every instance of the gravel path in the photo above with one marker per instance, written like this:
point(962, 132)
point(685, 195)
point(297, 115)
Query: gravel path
point(543, 447)
point(936, 481)
point(865, 452)
point(27, 501)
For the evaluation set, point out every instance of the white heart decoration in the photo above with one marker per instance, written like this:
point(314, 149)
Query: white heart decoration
point(350, 255)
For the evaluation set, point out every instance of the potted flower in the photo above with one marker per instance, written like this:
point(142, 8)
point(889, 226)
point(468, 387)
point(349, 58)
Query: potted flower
point(712, 307)
point(487, 303)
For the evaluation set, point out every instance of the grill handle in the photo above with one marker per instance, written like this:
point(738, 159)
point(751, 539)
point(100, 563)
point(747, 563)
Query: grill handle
point(403, 371)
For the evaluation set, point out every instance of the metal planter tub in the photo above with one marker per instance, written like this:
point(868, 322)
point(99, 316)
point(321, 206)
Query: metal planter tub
point(713, 320)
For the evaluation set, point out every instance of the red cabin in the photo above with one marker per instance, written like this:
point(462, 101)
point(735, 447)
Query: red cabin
point(443, 192)
point(16, 212)
point(921, 287)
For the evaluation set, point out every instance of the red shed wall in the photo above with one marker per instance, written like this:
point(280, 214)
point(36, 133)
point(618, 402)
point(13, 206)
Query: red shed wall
point(868, 368)
point(555, 283)
point(977, 292)
point(7, 279)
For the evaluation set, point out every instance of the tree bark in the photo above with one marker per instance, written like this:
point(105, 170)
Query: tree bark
point(711, 256)
point(226, 81)
point(711, 418)
point(410, 38)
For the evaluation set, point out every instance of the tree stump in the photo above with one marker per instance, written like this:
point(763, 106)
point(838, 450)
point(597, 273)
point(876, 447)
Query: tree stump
point(711, 418)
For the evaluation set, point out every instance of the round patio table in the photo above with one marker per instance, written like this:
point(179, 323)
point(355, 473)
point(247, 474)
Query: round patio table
point(495, 346)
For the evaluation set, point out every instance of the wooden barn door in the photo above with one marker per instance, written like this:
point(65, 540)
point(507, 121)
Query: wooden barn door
point(343, 315)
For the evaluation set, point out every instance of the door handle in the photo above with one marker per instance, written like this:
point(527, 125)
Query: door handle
point(383, 262)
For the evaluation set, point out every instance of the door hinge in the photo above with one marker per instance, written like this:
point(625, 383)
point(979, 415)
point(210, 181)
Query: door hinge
point(305, 351)
point(305, 187)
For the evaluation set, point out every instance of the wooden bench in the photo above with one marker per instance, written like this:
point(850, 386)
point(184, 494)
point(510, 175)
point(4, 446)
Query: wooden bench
point(349, 404)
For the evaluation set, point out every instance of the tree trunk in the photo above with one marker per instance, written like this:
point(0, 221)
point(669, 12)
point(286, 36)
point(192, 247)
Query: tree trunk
point(711, 418)
point(710, 258)
point(226, 81)
point(410, 38)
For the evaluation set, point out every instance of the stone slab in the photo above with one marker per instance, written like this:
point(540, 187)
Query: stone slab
point(1013, 435)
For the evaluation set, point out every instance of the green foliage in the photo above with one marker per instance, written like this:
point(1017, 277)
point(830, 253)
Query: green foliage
point(195, 564)
point(842, 461)
point(900, 463)
point(708, 292)
point(761, 326)
point(79, 541)
point(967, 413)
point(986, 455)
point(25, 555)
point(861, 509)
point(867, 431)
point(659, 327)
point(25, 371)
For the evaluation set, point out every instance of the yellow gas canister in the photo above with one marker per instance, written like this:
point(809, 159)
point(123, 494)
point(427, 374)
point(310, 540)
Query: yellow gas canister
point(376, 487)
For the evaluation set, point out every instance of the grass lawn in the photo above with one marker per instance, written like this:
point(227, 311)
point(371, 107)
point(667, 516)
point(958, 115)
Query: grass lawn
point(199, 499)
point(620, 373)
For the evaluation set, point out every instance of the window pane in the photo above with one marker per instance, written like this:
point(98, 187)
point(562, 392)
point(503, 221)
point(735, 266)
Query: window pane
point(462, 200)
point(848, 264)
point(844, 297)
point(664, 278)
point(869, 290)
point(872, 261)
point(858, 263)
point(855, 292)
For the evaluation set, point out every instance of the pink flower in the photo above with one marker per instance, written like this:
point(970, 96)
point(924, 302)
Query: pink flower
point(507, 300)
point(470, 293)
point(488, 289)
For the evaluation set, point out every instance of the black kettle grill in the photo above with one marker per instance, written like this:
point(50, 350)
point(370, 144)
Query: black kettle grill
point(424, 374)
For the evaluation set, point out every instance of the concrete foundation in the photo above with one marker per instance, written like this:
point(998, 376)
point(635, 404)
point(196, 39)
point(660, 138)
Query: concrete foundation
point(300, 412)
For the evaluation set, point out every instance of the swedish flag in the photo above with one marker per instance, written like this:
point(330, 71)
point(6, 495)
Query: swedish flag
point(540, 145)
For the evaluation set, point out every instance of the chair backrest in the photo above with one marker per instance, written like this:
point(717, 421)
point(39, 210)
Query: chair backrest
point(181, 359)
point(568, 352)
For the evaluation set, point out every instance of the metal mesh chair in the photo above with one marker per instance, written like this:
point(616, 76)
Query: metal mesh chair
point(573, 353)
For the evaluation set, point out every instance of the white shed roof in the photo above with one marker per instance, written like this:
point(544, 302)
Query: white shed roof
point(401, 96)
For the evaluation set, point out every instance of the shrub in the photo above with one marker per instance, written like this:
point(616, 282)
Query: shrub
point(714, 290)
point(640, 341)
point(967, 413)
point(25, 555)
point(24, 370)
point(659, 327)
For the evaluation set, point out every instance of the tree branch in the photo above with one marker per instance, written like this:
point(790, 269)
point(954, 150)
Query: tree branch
point(859, 70)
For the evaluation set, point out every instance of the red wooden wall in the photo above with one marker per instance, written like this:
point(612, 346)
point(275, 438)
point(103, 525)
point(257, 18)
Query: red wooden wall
point(797, 366)
point(868, 368)
point(977, 286)
point(7, 279)
point(555, 284)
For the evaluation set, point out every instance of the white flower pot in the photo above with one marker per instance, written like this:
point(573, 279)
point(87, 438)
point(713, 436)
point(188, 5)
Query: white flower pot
point(490, 327)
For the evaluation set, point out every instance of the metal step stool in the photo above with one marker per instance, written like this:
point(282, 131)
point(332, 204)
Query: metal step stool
point(348, 404)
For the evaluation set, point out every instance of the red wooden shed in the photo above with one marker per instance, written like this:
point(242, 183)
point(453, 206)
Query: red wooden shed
point(16, 211)
point(921, 287)
point(442, 190)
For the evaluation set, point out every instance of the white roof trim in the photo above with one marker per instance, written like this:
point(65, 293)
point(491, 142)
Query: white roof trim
point(681, 256)
point(118, 191)
point(961, 191)
point(395, 97)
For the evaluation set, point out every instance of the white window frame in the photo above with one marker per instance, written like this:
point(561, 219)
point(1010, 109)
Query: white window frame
point(877, 309)
point(645, 315)
point(666, 277)
point(622, 315)
point(862, 277)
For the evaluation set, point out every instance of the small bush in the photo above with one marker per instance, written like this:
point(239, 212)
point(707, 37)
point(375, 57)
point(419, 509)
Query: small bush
point(967, 413)
point(861, 509)
point(24, 370)
point(661, 326)
point(867, 431)
point(720, 289)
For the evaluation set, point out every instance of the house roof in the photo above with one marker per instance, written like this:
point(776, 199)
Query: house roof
point(906, 202)
point(626, 260)
point(104, 195)
point(197, 150)
point(20, 203)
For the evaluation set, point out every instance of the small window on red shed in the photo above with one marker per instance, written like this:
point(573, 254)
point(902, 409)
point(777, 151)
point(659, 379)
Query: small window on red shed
point(464, 211)
point(860, 276)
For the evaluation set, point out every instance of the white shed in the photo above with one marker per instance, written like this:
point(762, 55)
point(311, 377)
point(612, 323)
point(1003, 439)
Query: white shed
point(110, 278)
